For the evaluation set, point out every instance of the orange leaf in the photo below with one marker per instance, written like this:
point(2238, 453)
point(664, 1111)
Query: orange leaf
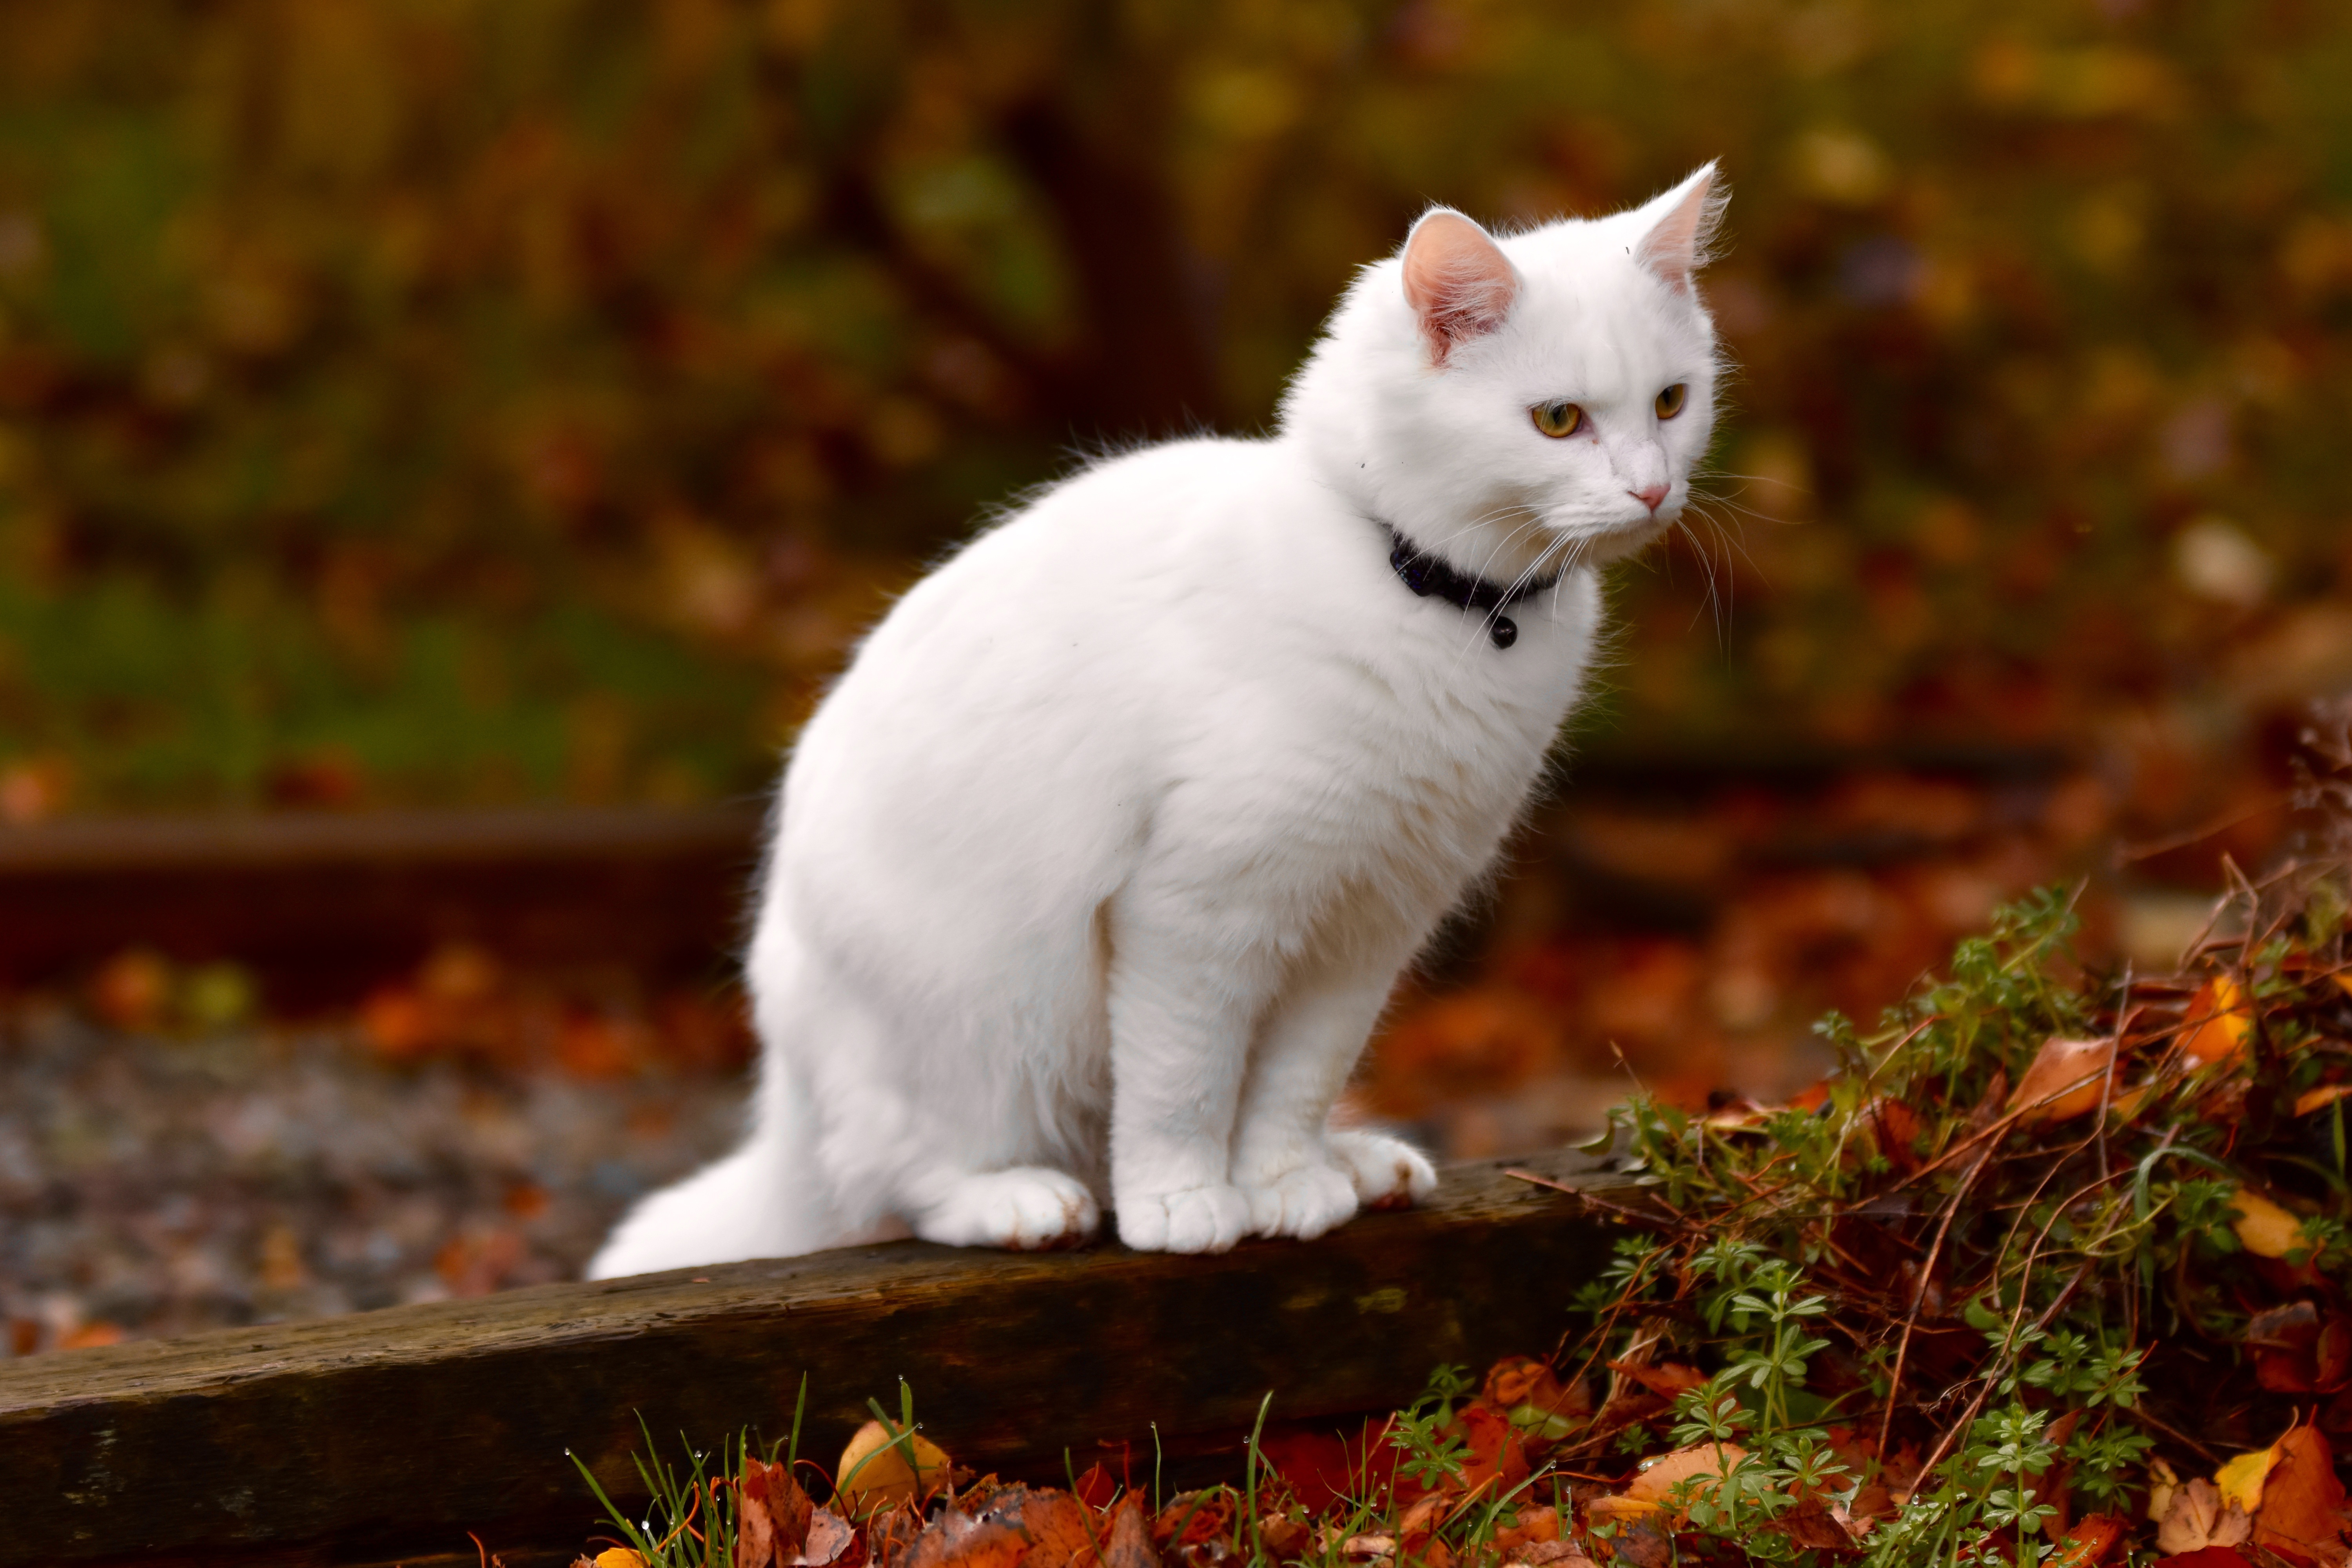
point(2217, 1025)
point(2264, 1228)
point(2303, 1502)
point(875, 1473)
point(1701, 1465)
point(2064, 1081)
point(2327, 1094)
point(1130, 1545)
point(2092, 1537)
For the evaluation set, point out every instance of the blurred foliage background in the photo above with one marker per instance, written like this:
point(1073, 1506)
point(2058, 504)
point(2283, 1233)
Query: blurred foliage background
point(456, 400)
point(434, 402)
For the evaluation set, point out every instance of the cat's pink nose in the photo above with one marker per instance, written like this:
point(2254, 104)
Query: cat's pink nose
point(1650, 498)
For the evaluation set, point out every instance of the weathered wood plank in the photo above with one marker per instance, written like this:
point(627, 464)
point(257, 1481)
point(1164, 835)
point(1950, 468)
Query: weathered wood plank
point(325, 905)
point(354, 1438)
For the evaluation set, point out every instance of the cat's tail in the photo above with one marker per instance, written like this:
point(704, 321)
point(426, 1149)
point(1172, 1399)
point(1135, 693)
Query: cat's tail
point(765, 1200)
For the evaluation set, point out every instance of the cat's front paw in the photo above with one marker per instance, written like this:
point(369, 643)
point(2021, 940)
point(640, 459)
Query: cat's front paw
point(1387, 1173)
point(1195, 1219)
point(1304, 1201)
point(1029, 1209)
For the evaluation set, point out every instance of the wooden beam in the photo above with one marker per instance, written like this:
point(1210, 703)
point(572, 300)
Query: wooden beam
point(358, 1437)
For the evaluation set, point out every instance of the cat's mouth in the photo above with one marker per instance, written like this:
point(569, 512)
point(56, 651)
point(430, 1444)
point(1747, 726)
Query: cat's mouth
point(1614, 542)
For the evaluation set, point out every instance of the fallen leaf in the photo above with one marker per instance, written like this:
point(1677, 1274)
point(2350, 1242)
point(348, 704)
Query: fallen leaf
point(1894, 1127)
point(2303, 1502)
point(956, 1539)
point(1367, 1548)
point(1700, 1465)
point(1129, 1544)
point(2205, 1557)
point(1095, 1488)
point(1059, 1526)
point(1666, 1379)
point(829, 1536)
point(1643, 1544)
point(2066, 1081)
point(619, 1557)
point(2241, 1480)
point(1282, 1537)
point(2296, 1350)
point(771, 1514)
point(875, 1473)
point(2319, 1099)
point(2196, 1518)
point(2162, 1484)
point(1536, 1524)
point(2217, 1024)
point(2264, 1228)
point(2089, 1541)
point(1607, 1510)
point(1548, 1554)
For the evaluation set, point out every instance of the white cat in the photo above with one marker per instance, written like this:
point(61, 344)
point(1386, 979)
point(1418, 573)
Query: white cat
point(1094, 873)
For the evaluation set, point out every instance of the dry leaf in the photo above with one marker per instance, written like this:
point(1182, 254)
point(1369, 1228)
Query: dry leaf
point(2197, 1518)
point(2092, 1537)
point(1605, 1510)
point(619, 1557)
point(2295, 1351)
point(1367, 1548)
point(955, 1539)
point(2264, 1228)
point(2303, 1502)
point(2240, 1481)
point(829, 1536)
point(2064, 1081)
point(1129, 1544)
point(2162, 1486)
point(875, 1473)
point(2217, 1024)
point(1666, 1379)
point(1701, 1466)
point(2326, 1095)
point(1548, 1554)
point(772, 1516)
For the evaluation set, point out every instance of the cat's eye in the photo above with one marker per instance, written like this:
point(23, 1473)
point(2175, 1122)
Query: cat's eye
point(1558, 419)
point(1671, 401)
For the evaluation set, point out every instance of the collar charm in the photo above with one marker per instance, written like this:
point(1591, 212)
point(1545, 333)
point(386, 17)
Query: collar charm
point(1426, 575)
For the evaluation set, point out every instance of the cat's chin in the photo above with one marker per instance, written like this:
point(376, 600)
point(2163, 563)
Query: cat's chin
point(1600, 547)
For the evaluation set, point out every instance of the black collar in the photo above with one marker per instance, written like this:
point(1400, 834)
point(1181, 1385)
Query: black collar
point(1426, 574)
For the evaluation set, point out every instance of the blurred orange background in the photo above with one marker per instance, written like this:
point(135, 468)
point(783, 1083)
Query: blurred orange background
point(447, 403)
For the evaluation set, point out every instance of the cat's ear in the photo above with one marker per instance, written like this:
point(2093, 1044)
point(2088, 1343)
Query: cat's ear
point(1457, 281)
point(1682, 224)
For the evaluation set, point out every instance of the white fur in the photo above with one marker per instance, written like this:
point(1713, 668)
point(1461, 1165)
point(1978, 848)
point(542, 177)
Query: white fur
point(1094, 873)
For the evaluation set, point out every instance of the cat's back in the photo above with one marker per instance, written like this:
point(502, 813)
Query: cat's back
point(1073, 584)
point(1025, 684)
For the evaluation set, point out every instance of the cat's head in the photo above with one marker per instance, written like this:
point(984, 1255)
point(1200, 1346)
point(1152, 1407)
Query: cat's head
point(1514, 401)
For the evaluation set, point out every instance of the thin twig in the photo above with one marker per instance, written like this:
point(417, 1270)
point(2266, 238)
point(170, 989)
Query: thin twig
point(1665, 1221)
point(1920, 1297)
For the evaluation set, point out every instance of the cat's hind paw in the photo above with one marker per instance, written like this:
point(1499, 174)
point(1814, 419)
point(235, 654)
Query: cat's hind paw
point(1195, 1219)
point(1388, 1173)
point(1305, 1202)
point(1029, 1209)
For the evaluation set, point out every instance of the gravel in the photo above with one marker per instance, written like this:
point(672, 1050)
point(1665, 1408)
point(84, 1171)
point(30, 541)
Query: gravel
point(152, 1185)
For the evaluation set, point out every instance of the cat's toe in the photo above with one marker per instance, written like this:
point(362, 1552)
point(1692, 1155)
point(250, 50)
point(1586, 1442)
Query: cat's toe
point(1387, 1173)
point(1196, 1219)
point(1304, 1203)
point(1027, 1209)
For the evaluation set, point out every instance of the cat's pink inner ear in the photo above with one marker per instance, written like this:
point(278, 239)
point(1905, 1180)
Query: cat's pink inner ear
point(1457, 281)
point(1676, 247)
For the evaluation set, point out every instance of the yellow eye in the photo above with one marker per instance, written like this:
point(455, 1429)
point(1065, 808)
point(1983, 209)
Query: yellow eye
point(1671, 401)
point(1558, 419)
